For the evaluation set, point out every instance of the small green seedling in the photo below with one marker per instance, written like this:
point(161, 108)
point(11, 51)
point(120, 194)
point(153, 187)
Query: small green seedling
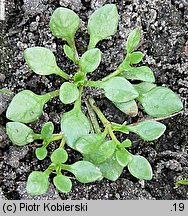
point(104, 156)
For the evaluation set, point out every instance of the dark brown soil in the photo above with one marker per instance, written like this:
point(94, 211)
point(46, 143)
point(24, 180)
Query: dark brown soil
point(164, 26)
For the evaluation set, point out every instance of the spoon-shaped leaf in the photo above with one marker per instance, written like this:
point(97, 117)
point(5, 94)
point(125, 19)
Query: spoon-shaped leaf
point(42, 61)
point(119, 90)
point(90, 60)
point(64, 23)
point(37, 183)
point(59, 156)
point(19, 133)
point(74, 124)
point(160, 102)
point(140, 168)
point(148, 130)
point(102, 24)
point(62, 183)
point(26, 106)
point(41, 153)
point(47, 130)
point(68, 93)
point(84, 171)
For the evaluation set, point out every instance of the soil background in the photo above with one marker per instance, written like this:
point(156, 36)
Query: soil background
point(164, 25)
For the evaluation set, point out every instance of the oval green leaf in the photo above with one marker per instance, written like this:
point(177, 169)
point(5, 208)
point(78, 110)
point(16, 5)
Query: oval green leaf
point(47, 130)
point(41, 60)
point(62, 183)
point(142, 73)
point(74, 124)
point(19, 133)
point(41, 153)
point(102, 24)
point(148, 130)
point(110, 168)
point(37, 183)
point(59, 156)
point(90, 60)
point(64, 23)
point(136, 57)
point(123, 157)
point(26, 106)
point(68, 93)
point(119, 90)
point(89, 143)
point(84, 171)
point(130, 108)
point(161, 102)
point(133, 40)
point(140, 168)
point(102, 153)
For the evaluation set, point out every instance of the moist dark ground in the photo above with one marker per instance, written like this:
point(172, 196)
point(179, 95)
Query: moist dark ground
point(164, 27)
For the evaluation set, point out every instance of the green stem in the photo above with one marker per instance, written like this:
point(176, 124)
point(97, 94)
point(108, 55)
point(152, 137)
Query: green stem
point(62, 143)
point(92, 42)
point(77, 104)
point(75, 51)
point(115, 73)
point(73, 47)
point(105, 132)
point(50, 95)
point(104, 120)
point(112, 135)
point(66, 167)
point(53, 94)
point(93, 118)
point(155, 119)
point(62, 73)
point(91, 124)
point(119, 69)
point(96, 84)
point(55, 137)
point(46, 142)
point(49, 169)
point(58, 169)
point(37, 136)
